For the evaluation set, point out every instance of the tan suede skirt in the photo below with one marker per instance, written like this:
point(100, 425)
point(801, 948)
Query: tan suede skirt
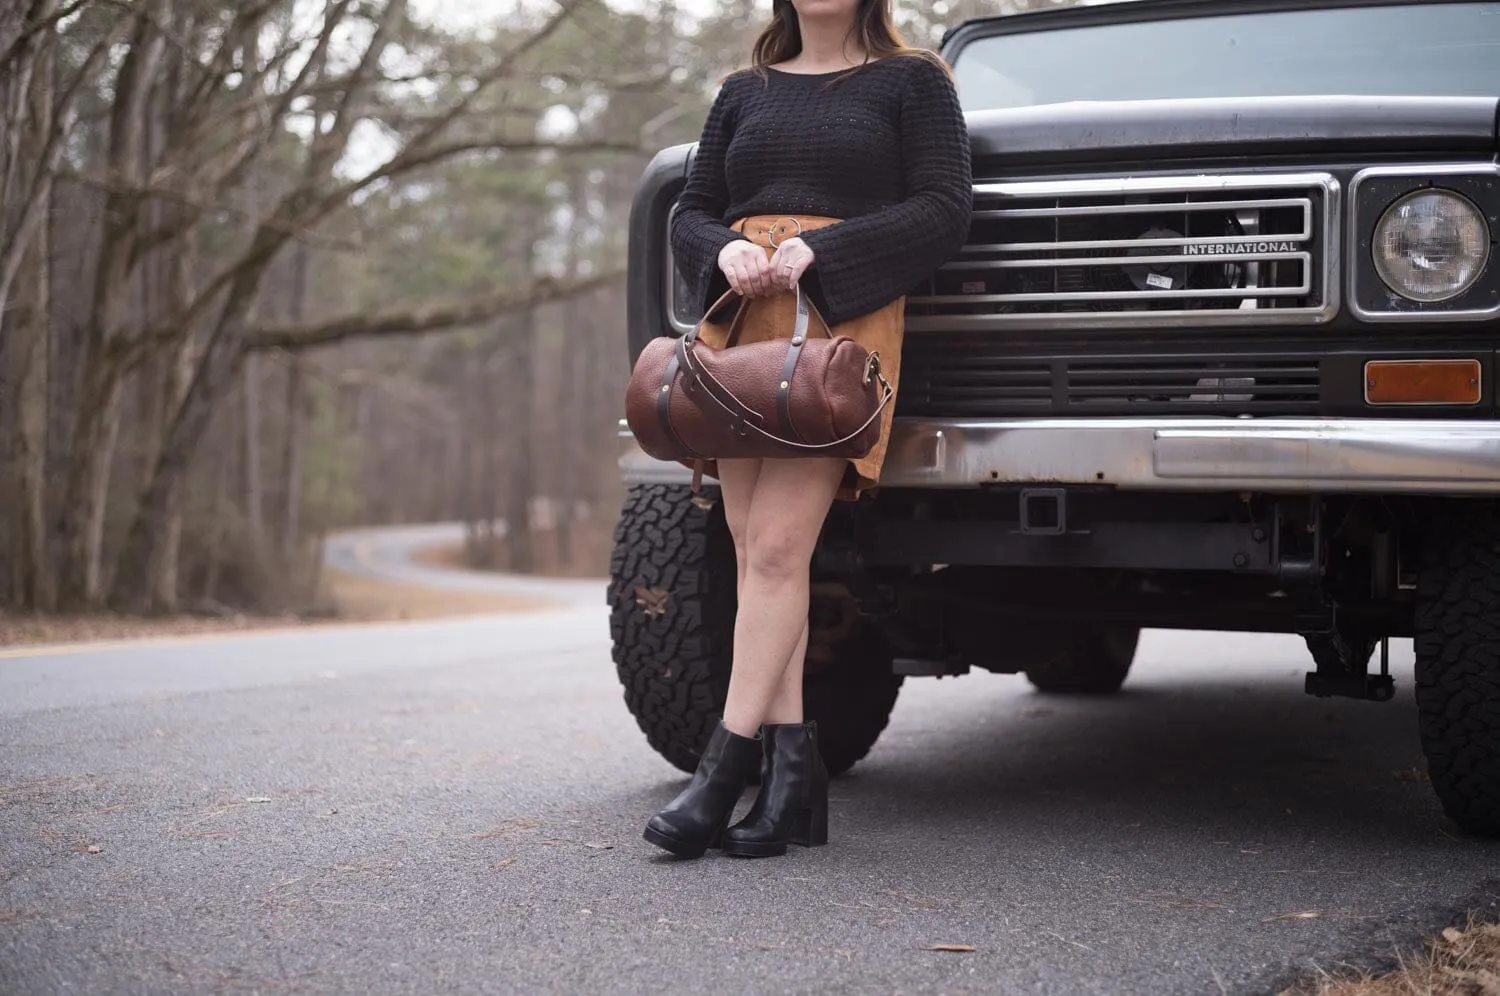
point(772, 318)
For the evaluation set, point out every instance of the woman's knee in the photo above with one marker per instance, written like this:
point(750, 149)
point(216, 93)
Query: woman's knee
point(777, 554)
point(739, 532)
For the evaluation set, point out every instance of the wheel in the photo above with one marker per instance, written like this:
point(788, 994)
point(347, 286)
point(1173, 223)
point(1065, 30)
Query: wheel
point(1095, 662)
point(1458, 671)
point(850, 688)
point(672, 604)
point(671, 597)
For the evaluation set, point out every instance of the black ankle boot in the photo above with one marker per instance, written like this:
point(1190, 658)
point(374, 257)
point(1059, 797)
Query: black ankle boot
point(694, 821)
point(792, 807)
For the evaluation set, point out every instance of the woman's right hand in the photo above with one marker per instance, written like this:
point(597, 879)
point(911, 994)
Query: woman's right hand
point(747, 268)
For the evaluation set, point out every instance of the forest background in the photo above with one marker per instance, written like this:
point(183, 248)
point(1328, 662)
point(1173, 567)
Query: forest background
point(273, 268)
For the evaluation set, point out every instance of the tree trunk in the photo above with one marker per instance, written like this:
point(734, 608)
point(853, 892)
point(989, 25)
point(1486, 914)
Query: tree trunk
point(79, 518)
point(520, 480)
point(296, 410)
point(24, 329)
point(571, 449)
point(254, 480)
point(164, 582)
point(291, 456)
point(144, 555)
point(215, 554)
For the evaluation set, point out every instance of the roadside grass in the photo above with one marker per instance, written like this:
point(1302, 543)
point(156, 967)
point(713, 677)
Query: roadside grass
point(1459, 962)
point(358, 599)
point(343, 598)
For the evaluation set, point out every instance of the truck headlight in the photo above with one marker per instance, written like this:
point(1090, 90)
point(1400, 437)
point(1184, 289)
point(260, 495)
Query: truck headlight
point(1431, 245)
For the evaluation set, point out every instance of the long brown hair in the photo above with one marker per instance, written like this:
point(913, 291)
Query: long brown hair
point(873, 28)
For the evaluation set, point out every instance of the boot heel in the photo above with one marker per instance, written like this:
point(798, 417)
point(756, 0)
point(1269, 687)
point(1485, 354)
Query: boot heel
point(695, 820)
point(811, 828)
point(792, 807)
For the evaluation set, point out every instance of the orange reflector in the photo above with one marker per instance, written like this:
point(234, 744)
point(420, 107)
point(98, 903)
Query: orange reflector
point(1422, 382)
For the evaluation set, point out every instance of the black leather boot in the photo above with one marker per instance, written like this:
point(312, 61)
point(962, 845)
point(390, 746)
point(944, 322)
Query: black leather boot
point(792, 807)
point(695, 820)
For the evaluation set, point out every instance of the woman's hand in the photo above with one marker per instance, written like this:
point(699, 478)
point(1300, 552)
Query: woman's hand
point(792, 259)
point(748, 270)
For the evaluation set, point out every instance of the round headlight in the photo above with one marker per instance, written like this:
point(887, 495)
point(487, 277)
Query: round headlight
point(1431, 245)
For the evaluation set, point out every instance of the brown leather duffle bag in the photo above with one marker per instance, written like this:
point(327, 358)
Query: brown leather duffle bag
point(800, 396)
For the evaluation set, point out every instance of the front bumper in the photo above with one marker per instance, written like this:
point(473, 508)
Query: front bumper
point(1288, 455)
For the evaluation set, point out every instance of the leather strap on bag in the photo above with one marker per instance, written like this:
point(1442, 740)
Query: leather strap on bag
point(789, 368)
point(742, 418)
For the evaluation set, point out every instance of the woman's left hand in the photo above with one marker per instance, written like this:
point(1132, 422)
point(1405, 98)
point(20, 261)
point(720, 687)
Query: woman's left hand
point(791, 260)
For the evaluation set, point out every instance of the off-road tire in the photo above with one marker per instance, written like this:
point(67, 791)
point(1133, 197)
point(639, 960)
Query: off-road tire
point(1092, 663)
point(851, 697)
point(671, 619)
point(1458, 670)
point(672, 604)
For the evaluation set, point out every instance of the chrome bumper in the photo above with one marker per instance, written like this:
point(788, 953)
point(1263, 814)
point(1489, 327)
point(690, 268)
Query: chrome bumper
point(1161, 454)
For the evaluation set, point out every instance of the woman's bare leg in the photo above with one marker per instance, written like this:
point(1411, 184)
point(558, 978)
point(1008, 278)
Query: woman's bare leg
point(786, 707)
point(737, 484)
point(787, 507)
point(736, 488)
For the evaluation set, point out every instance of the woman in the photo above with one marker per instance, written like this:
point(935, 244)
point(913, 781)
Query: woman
point(840, 160)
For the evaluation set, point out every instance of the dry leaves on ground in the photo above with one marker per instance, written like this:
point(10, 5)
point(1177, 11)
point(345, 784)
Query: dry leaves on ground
point(369, 600)
point(1458, 963)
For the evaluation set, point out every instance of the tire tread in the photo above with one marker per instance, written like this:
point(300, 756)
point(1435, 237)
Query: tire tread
point(674, 668)
point(1458, 671)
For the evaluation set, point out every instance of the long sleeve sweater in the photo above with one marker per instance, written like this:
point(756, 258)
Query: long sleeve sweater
point(885, 149)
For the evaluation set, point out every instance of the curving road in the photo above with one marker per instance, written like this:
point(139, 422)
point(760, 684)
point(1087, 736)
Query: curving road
point(456, 807)
point(387, 555)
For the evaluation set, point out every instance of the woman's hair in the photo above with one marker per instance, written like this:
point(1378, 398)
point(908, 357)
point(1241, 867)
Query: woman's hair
point(873, 28)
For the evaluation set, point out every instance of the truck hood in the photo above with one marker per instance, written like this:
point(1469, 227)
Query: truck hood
point(1151, 129)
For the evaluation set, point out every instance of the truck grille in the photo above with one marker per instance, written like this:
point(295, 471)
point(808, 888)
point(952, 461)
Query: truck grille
point(961, 376)
point(1140, 252)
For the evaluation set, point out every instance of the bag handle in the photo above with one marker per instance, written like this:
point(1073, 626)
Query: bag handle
point(741, 416)
point(735, 324)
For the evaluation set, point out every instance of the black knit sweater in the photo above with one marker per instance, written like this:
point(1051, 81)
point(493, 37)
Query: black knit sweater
point(884, 148)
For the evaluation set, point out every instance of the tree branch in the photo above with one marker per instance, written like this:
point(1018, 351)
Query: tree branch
point(37, 22)
point(327, 148)
point(276, 230)
point(404, 163)
point(433, 318)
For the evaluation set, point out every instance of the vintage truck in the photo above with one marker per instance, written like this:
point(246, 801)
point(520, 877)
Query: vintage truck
point(1220, 354)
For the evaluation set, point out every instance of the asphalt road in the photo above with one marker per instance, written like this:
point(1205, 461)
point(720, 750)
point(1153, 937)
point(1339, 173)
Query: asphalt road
point(456, 807)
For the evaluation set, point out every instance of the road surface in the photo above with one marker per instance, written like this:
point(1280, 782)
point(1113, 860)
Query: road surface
point(456, 807)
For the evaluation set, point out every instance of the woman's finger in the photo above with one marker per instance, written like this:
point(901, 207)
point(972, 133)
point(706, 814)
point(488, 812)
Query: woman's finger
point(801, 266)
point(782, 268)
point(759, 272)
point(779, 272)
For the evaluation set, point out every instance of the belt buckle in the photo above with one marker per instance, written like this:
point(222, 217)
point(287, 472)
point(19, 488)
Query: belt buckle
point(772, 233)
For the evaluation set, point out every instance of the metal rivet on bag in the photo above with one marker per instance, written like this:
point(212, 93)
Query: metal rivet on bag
point(665, 388)
point(783, 385)
point(796, 340)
